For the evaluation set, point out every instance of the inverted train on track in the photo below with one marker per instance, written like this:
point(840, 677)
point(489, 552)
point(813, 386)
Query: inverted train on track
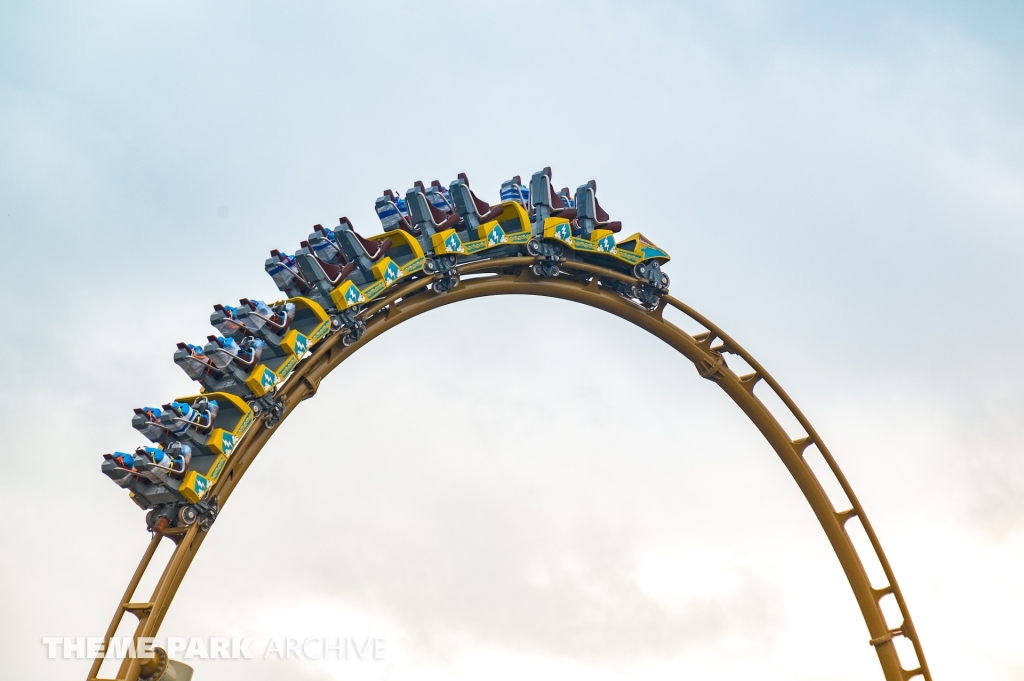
point(328, 281)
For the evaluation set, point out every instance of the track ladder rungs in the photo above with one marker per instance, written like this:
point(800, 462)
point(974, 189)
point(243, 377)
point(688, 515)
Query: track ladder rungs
point(170, 531)
point(881, 593)
point(844, 516)
point(138, 609)
point(802, 443)
point(748, 381)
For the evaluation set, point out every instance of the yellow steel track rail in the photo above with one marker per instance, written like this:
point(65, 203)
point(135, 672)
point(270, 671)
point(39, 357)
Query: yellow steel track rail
point(581, 283)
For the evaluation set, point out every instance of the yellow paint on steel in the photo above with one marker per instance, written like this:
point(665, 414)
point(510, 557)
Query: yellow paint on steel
point(579, 283)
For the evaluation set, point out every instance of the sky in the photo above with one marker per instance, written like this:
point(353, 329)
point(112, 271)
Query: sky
point(523, 487)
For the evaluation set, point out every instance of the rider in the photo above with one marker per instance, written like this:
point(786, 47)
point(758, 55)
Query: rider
point(151, 426)
point(247, 352)
point(200, 415)
point(124, 460)
point(281, 319)
point(175, 457)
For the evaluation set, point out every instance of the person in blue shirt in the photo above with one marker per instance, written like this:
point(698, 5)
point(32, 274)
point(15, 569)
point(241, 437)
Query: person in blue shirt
point(175, 457)
point(200, 415)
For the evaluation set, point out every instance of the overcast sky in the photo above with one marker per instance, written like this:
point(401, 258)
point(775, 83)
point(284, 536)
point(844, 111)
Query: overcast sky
point(514, 488)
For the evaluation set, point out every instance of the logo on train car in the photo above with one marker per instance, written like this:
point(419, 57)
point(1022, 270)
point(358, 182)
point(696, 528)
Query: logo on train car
point(606, 245)
point(227, 442)
point(497, 236)
point(391, 274)
point(453, 244)
point(562, 231)
point(352, 294)
point(200, 485)
point(268, 379)
point(295, 343)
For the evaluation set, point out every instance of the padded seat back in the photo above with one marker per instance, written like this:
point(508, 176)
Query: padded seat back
point(474, 211)
point(590, 215)
point(540, 189)
point(359, 252)
point(566, 197)
point(283, 269)
point(391, 216)
point(513, 190)
point(546, 203)
point(425, 217)
point(439, 198)
point(315, 268)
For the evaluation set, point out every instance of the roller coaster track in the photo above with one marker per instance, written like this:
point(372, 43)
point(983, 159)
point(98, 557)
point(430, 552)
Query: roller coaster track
point(580, 283)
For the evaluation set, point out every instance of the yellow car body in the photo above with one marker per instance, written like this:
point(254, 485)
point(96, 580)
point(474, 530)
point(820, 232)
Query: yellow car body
point(234, 417)
point(630, 251)
point(386, 271)
point(310, 327)
point(512, 226)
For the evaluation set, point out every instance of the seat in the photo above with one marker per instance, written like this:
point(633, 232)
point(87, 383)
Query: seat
point(146, 420)
point(285, 272)
point(196, 363)
point(201, 415)
point(391, 215)
point(425, 217)
point(174, 458)
point(590, 214)
point(324, 246)
point(569, 202)
point(245, 354)
point(195, 352)
point(277, 321)
point(513, 190)
point(544, 201)
point(487, 211)
point(180, 455)
point(121, 460)
point(439, 198)
point(225, 319)
point(333, 274)
point(359, 251)
point(473, 210)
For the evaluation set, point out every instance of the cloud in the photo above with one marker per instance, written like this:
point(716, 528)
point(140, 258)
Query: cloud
point(841, 188)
